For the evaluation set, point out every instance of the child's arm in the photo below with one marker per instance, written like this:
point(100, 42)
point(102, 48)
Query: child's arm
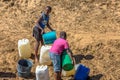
point(70, 54)
point(48, 25)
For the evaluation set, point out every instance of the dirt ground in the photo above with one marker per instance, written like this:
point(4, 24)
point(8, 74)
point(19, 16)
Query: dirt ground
point(92, 26)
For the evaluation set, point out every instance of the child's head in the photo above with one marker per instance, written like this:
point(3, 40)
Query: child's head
point(48, 9)
point(63, 35)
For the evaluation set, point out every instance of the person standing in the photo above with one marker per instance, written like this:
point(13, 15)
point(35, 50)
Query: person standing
point(39, 27)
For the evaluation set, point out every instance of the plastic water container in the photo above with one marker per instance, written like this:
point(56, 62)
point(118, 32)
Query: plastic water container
point(44, 55)
point(71, 72)
point(81, 73)
point(66, 62)
point(49, 37)
point(68, 73)
point(24, 48)
point(24, 68)
point(42, 73)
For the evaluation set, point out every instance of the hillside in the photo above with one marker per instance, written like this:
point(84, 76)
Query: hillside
point(92, 26)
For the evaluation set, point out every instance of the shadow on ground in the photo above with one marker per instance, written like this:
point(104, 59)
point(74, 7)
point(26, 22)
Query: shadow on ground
point(96, 77)
point(7, 75)
point(80, 57)
point(30, 77)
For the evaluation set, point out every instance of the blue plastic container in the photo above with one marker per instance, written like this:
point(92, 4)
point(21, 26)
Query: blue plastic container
point(24, 68)
point(82, 73)
point(49, 37)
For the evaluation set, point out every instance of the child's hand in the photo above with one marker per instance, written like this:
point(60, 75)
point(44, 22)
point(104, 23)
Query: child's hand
point(73, 61)
point(43, 32)
point(53, 30)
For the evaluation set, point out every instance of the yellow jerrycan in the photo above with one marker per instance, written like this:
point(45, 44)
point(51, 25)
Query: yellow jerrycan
point(68, 73)
point(24, 48)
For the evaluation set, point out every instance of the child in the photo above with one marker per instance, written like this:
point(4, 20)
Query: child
point(38, 30)
point(56, 51)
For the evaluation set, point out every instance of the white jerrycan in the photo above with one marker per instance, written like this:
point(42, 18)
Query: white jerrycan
point(42, 72)
point(44, 55)
point(24, 48)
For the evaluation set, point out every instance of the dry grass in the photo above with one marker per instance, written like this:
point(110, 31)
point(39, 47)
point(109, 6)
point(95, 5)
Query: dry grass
point(93, 28)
